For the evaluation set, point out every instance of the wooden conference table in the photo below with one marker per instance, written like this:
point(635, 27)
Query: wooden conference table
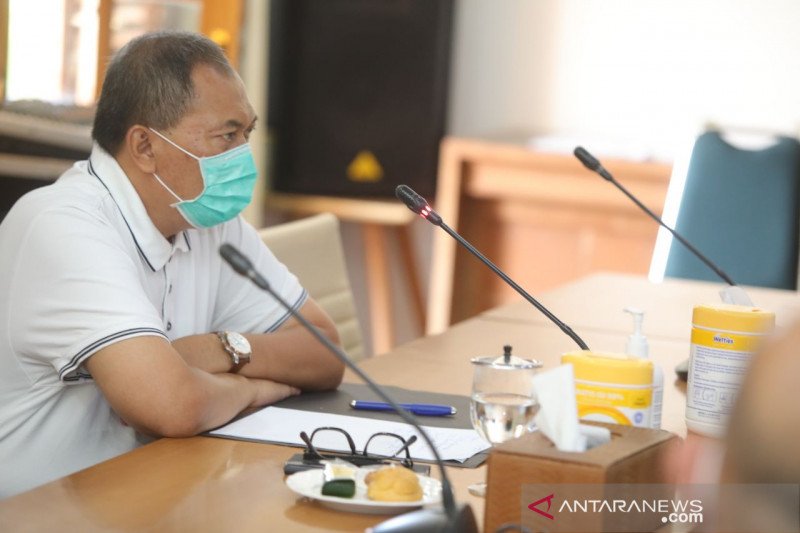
point(211, 484)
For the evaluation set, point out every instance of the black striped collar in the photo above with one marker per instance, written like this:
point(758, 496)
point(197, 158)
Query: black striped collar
point(154, 249)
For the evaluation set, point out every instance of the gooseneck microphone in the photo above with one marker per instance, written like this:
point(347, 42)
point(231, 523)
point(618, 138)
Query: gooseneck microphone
point(419, 205)
point(590, 162)
point(455, 518)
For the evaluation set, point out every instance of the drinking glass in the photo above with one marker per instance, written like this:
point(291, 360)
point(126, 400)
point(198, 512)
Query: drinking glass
point(503, 404)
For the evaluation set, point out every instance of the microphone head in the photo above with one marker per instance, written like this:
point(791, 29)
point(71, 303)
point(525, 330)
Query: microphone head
point(235, 259)
point(592, 163)
point(586, 158)
point(417, 204)
point(408, 196)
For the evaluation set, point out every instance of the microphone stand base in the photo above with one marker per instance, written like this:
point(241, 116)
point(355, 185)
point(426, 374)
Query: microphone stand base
point(430, 520)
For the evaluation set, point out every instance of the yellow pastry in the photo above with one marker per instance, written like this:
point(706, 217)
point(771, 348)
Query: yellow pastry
point(393, 484)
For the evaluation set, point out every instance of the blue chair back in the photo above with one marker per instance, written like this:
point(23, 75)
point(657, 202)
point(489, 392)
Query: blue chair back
point(740, 208)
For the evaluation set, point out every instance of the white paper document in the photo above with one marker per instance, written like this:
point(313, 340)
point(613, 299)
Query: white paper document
point(279, 425)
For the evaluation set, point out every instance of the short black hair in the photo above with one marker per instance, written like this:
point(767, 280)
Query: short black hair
point(149, 82)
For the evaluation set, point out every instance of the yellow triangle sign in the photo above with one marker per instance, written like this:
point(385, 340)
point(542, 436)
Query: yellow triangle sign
point(365, 167)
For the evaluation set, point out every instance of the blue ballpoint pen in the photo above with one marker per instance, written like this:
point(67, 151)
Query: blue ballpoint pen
point(420, 409)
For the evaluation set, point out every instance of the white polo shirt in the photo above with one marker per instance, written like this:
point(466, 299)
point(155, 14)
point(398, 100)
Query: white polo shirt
point(81, 267)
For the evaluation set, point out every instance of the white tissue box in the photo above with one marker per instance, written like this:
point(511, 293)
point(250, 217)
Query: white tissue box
point(634, 455)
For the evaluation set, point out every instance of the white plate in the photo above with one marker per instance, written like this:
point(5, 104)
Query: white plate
point(308, 483)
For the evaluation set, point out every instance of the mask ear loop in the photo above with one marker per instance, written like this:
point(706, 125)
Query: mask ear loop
point(175, 145)
point(180, 200)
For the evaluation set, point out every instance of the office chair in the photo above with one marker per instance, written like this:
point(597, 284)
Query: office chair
point(312, 249)
point(740, 208)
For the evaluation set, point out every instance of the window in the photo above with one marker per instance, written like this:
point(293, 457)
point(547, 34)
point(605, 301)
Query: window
point(53, 46)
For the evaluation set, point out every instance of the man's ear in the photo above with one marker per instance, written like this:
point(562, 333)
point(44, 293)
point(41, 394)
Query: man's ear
point(140, 149)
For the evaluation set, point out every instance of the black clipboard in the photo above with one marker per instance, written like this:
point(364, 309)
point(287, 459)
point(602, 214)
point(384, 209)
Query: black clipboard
point(338, 402)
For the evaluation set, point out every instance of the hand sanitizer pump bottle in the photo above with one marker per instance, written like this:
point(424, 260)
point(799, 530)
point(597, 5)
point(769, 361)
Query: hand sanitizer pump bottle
point(637, 346)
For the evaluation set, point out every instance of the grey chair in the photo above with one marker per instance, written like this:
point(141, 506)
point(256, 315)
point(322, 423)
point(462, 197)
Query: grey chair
point(740, 208)
point(312, 249)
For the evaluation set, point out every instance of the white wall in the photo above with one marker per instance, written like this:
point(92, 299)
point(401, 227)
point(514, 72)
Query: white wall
point(647, 70)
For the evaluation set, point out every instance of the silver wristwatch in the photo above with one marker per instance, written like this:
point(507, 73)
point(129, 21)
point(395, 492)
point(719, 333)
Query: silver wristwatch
point(237, 346)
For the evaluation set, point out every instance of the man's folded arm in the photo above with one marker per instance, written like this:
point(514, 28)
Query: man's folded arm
point(288, 355)
point(152, 388)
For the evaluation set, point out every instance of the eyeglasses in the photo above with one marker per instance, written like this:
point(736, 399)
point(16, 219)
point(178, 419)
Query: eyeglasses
point(359, 458)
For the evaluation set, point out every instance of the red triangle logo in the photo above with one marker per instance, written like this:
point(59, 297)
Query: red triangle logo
point(549, 500)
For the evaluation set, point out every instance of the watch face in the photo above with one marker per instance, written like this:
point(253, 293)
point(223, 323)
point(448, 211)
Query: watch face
point(239, 343)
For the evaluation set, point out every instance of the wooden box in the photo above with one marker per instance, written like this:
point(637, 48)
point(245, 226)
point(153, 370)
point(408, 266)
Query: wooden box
point(525, 468)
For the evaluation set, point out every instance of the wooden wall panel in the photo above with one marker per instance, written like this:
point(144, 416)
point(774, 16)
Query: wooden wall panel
point(542, 218)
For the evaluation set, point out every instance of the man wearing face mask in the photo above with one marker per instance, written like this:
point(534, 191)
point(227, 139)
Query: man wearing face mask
point(118, 319)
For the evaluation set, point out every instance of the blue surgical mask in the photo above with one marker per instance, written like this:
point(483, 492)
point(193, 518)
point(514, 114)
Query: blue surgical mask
point(228, 181)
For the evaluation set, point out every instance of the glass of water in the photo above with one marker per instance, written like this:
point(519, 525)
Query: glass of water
point(503, 404)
